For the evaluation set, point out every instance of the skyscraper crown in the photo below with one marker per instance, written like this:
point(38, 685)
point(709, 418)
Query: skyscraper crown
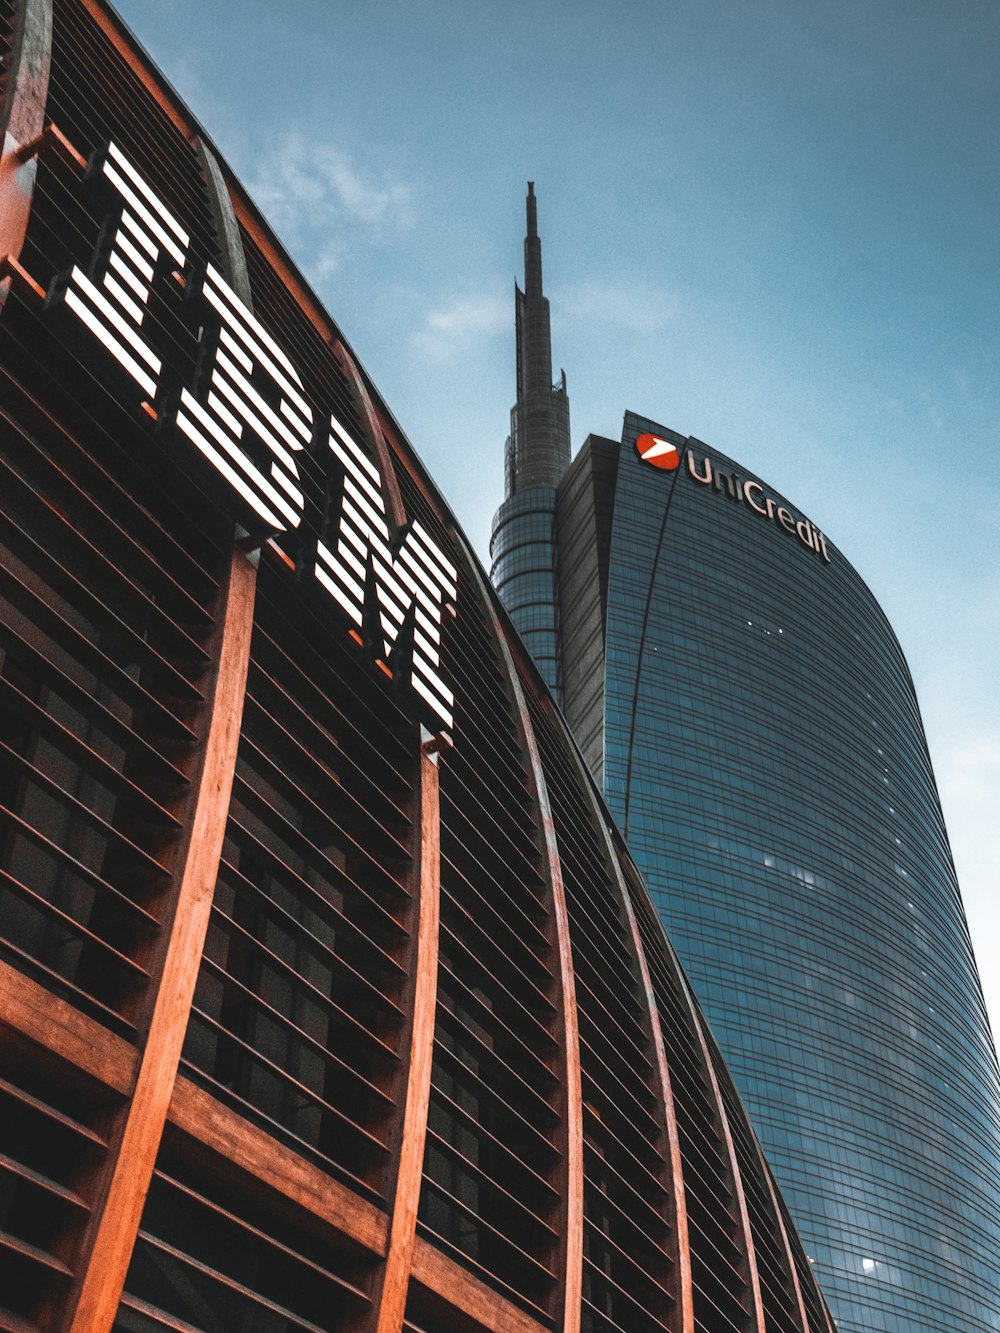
point(538, 447)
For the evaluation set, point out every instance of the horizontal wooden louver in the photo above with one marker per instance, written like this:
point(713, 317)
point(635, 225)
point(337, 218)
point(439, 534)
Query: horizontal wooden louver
point(100, 692)
point(215, 1252)
point(777, 1290)
point(54, 1142)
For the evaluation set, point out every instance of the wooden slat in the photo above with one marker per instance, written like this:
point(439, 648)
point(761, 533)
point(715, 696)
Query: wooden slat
point(454, 1284)
point(97, 714)
point(78, 751)
point(34, 1255)
point(54, 1116)
point(43, 906)
point(48, 622)
point(77, 868)
point(146, 544)
point(43, 1183)
point(210, 1122)
point(136, 59)
point(182, 1260)
point(34, 1012)
point(12, 1323)
point(114, 1235)
point(366, 414)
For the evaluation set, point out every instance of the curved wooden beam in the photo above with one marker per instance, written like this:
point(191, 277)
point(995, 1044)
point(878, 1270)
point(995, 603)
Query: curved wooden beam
point(390, 486)
point(654, 1032)
point(22, 120)
point(233, 261)
point(392, 1283)
point(741, 1198)
point(572, 1231)
point(116, 1223)
point(22, 115)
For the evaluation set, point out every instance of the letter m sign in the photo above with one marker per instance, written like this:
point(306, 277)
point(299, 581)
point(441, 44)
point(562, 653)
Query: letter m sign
point(393, 586)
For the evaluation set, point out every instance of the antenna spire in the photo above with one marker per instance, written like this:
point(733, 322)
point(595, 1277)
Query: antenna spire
point(538, 449)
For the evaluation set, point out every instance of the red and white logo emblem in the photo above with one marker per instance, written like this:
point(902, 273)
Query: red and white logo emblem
point(657, 453)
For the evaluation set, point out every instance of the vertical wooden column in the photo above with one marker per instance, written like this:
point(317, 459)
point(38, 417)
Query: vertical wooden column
point(741, 1198)
point(116, 1222)
point(392, 1282)
point(679, 1221)
point(22, 120)
point(572, 1230)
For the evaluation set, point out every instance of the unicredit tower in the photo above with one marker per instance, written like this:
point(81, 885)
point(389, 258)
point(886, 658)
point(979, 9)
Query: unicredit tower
point(741, 697)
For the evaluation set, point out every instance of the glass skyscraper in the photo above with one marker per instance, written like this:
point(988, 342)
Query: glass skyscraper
point(536, 456)
point(743, 700)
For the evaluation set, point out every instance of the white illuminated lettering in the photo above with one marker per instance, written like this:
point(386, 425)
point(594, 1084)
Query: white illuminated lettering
point(748, 488)
point(752, 492)
point(417, 580)
point(248, 417)
point(233, 406)
point(112, 302)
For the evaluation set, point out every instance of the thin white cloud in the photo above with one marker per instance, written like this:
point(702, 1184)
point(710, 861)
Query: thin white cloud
point(635, 307)
point(969, 778)
point(971, 771)
point(447, 330)
point(320, 200)
point(632, 304)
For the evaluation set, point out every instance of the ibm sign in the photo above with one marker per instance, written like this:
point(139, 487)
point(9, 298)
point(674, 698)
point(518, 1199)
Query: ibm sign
point(394, 587)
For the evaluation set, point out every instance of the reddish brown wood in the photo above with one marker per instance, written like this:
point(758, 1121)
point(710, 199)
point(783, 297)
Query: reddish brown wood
point(223, 1130)
point(741, 1198)
point(571, 1236)
point(33, 1012)
point(393, 1281)
point(22, 120)
point(461, 1289)
point(114, 1231)
point(51, 139)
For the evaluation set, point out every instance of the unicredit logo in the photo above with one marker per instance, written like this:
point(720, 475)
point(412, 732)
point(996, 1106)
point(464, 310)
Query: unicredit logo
point(751, 493)
point(658, 453)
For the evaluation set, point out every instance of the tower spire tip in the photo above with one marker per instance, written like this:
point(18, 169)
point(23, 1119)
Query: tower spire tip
point(532, 210)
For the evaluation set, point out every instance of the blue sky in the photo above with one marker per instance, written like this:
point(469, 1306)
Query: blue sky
point(772, 224)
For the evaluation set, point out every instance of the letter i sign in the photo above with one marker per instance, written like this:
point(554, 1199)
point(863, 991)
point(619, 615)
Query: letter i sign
point(657, 453)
